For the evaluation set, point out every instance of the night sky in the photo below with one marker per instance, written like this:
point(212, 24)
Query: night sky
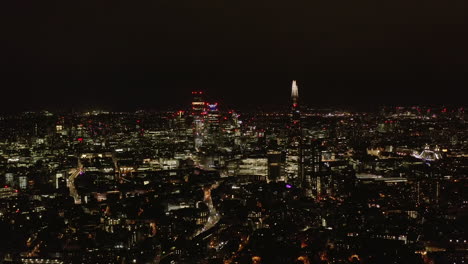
point(124, 55)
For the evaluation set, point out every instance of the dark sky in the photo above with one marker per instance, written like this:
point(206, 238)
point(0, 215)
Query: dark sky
point(151, 54)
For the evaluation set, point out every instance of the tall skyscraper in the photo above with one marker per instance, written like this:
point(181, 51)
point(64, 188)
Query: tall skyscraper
point(295, 111)
point(295, 93)
point(212, 124)
point(311, 166)
point(198, 111)
point(198, 104)
point(213, 118)
point(303, 153)
point(294, 157)
point(275, 165)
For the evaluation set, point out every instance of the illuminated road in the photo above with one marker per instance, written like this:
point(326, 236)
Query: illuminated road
point(214, 216)
point(71, 182)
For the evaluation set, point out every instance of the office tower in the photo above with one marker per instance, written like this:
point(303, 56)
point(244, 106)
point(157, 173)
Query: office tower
point(312, 165)
point(295, 112)
point(213, 117)
point(198, 112)
point(294, 149)
point(275, 165)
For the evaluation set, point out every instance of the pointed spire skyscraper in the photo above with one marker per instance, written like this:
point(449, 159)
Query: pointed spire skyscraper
point(294, 94)
point(295, 113)
point(294, 169)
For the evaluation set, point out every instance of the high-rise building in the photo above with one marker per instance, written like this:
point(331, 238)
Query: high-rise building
point(9, 179)
point(295, 111)
point(275, 165)
point(295, 93)
point(294, 157)
point(198, 111)
point(198, 104)
point(312, 164)
point(213, 117)
point(23, 182)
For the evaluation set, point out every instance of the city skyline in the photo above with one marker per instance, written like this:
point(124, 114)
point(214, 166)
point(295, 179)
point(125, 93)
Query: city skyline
point(83, 102)
point(233, 132)
point(211, 185)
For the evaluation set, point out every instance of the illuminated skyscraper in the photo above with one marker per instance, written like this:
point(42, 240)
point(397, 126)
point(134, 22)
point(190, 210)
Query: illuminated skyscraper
point(275, 165)
point(295, 111)
point(213, 117)
point(294, 170)
point(198, 104)
point(198, 112)
point(295, 94)
point(212, 124)
point(303, 154)
point(311, 166)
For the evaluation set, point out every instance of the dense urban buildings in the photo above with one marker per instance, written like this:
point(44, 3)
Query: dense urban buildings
point(208, 184)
